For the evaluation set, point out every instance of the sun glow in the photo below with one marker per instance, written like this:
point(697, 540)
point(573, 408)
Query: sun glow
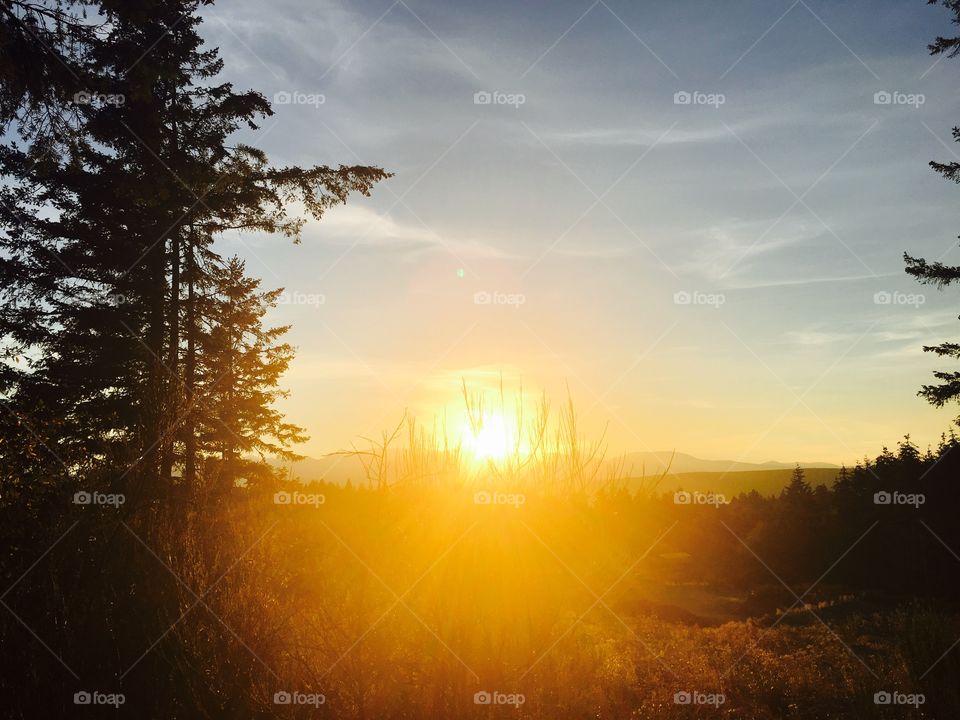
point(489, 437)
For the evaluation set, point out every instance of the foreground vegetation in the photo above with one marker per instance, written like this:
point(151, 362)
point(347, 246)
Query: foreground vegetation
point(405, 602)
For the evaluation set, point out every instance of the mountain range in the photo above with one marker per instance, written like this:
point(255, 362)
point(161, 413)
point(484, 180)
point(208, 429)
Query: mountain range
point(339, 469)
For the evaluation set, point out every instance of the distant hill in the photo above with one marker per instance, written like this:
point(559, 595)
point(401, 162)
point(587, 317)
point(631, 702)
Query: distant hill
point(655, 463)
point(337, 469)
point(686, 472)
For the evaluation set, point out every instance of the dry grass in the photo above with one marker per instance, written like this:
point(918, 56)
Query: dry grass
point(405, 604)
point(406, 598)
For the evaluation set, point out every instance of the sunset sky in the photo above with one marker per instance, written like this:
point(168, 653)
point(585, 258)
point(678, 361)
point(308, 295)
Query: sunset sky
point(592, 210)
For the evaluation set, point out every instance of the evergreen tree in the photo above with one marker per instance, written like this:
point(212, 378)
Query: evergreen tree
point(798, 490)
point(123, 215)
point(119, 172)
point(237, 380)
point(937, 273)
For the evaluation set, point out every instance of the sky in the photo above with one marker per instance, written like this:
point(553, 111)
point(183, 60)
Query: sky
point(688, 216)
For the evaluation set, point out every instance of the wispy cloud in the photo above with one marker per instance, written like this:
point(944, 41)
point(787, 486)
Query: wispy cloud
point(362, 226)
point(645, 136)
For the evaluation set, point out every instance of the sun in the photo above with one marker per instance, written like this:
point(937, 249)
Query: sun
point(490, 438)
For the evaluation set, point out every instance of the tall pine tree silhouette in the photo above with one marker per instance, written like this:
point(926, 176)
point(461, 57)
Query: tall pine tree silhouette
point(237, 379)
point(124, 196)
point(937, 273)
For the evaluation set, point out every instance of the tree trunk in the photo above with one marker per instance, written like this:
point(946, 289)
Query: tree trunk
point(190, 368)
point(173, 355)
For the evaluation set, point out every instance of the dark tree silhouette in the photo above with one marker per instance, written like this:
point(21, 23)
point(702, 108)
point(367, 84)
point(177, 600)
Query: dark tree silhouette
point(124, 196)
point(937, 273)
point(134, 357)
point(236, 380)
point(799, 490)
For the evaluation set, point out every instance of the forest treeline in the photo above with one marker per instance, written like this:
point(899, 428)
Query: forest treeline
point(886, 526)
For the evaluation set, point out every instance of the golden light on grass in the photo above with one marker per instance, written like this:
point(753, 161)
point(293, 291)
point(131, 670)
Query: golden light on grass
point(496, 441)
point(498, 433)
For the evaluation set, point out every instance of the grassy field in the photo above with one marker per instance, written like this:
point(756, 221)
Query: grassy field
point(541, 586)
point(407, 604)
